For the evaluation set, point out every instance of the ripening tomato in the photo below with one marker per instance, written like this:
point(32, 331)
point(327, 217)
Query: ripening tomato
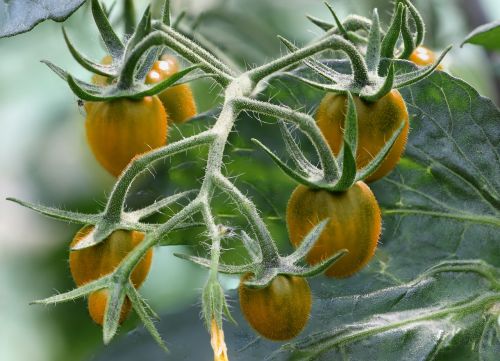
point(423, 56)
point(97, 306)
point(279, 311)
point(94, 262)
point(177, 100)
point(377, 122)
point(354, 224)
point(118, 130)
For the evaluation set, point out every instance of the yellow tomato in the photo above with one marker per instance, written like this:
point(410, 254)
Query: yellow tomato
point(118, 130)
point(377, 122)
point(177, 100)
point(354, 224)
point(423, 56)
point(279, 311)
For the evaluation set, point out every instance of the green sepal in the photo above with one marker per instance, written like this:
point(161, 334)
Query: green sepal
point(296, 153)
point(408, 42)
point(142, 29)
point(403, 80)
point(307, 242)
point(99, 233)
point(371, 167)
point(116, 298)
point(112, 42)
point(419, 23)
point(383, 89)
point(56, 213)
point(222, 268)
point(85, 90)
point(166, 12)
point(374, 44)
point(158, 206)
point(144, 312)
point(104, 70)
point(391, 37)
point(75, 293)
point(323, 25)
point(340, 27)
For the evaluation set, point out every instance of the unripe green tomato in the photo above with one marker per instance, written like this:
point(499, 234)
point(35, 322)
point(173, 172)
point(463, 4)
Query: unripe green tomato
point(119, 130)
point(178, 100)
point(354, 224)
point(279, 311)
point(377, 122)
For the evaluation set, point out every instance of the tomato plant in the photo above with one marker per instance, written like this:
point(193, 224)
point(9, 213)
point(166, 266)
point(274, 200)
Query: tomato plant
point(278, 311)
point(435, 207)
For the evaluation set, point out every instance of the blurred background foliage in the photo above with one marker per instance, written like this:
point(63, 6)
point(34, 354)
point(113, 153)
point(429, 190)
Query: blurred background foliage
point(44, 157)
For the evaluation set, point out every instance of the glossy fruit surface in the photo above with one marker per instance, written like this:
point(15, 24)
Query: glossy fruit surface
point(91, 263)
point(118, 130)
point(94, 262)
point(97, 306)
point(354, 224)
point(423, 56)
point(377, 122)
point(279, 311)
point(177, 100)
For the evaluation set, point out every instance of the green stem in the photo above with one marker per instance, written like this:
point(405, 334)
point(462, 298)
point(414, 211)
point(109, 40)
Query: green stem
point(114, 207)
point(159, 38)
point(333, 42)
point(306, 123)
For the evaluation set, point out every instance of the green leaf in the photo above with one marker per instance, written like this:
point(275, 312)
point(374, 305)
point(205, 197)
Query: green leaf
point(20, 16)
point(487, 35)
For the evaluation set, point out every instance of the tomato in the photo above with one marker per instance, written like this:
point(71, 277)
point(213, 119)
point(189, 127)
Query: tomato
point(91, 263)
point(424, 57)
point(120, 129)
point(377, 122)
point(177, 100)
point(97, 307)
point(354, 224)
point(279, 311)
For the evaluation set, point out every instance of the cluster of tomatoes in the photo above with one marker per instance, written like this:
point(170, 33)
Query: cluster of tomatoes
point(281, 310)
point(117, 131)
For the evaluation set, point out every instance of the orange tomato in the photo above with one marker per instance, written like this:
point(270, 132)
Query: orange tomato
point(118, 130)
point(354, 224)
point(177, 100)
point(279, 311)
point(423, 56)
point(377, 122)
point(94, 262)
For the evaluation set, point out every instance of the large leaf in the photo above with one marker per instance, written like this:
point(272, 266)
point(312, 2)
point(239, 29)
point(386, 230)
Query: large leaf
point(19, 16)
point(487, 35)
point(441, 204)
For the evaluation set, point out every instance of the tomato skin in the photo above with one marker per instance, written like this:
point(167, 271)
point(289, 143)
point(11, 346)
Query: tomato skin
point(97, 306)
point(377, 122)
point(177, 100)
point(354, 223)
point(94, 262)
point(118, 130)
point(423, 56)
point(279, 311)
